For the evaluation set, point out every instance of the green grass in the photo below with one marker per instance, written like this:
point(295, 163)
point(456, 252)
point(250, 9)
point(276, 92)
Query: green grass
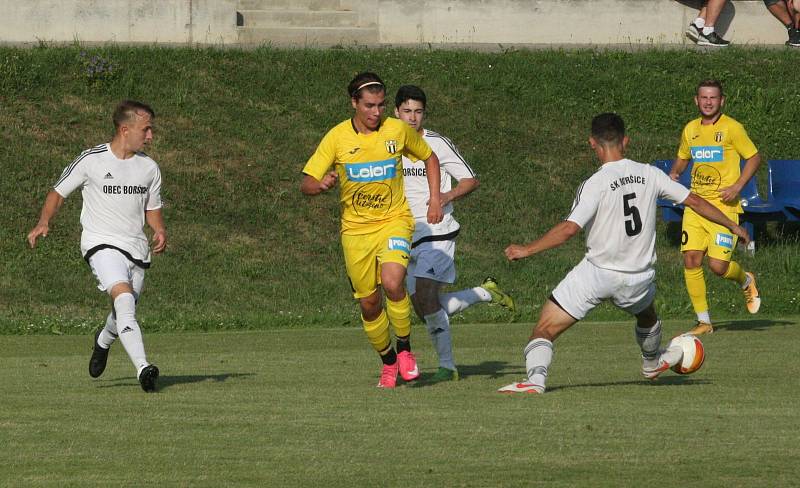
point(299, 408)
point(234, 129)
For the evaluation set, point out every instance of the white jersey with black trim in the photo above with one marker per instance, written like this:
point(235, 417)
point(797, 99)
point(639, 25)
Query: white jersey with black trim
point(452, 165)
point(617, 207)
point(116, 194)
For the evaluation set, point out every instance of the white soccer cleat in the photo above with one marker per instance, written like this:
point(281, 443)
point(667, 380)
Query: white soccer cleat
point(522, 387)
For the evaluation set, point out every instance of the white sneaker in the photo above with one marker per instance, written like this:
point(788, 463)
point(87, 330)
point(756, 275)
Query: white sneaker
point(522, 387)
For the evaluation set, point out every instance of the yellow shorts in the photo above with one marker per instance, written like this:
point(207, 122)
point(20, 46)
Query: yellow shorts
point(364, 253)
point(699, 234)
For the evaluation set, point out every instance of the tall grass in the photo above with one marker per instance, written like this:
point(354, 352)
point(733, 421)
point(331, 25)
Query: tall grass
point(234, 128)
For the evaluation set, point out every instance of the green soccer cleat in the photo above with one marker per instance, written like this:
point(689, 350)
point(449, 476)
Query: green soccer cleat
point(499, 297)
point(445, 374)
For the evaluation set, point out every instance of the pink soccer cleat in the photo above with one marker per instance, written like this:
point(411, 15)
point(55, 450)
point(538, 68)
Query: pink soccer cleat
point(388, 376)
point(408, 366)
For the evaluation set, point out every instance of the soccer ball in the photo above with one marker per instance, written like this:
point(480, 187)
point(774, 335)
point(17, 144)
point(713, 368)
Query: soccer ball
point(693, 353)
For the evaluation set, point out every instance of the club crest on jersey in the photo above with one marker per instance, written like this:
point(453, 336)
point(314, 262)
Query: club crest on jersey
point(706, 154)
point(391, 146)
point(399, 244)
point(718, 136)
point(372, 171)
point(724, 240)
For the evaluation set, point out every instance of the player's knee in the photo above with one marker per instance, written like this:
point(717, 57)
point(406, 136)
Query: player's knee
point(370, 306)
point(719, 268)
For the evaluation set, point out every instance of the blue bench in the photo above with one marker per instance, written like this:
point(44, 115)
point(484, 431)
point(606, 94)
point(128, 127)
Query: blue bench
point(782, 203)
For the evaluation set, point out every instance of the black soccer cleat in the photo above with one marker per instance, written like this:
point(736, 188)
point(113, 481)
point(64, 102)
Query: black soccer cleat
point(148, 377)
point(97, 364)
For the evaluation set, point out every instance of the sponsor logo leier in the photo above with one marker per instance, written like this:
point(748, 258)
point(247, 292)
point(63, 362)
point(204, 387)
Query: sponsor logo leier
point(372, 171)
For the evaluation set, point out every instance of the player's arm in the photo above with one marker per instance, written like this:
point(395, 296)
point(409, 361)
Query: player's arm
point(317, 174)
point(52, 203)
point(712, 213)
point(434, 181)
point(731, 193)
point(682, 158)
point(465, 186)
point(155, 219)
point(678, 167)
point(559, 234)
point(312, 186)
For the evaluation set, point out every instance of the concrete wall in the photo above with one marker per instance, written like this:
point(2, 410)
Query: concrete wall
point(565, 22)
point(370, 22)
point(123, 21)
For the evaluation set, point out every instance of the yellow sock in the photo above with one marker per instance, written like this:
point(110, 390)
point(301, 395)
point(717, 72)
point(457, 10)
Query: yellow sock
point(735, 273)
point(696, 286)
point(400, 315)
point(378, 332)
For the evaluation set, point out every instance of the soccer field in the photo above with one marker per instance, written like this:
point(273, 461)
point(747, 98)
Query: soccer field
point(299, 408)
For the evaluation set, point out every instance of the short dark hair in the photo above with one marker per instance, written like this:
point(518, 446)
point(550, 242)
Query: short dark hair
point(710, 83)
point(365, 81)
point(410, 92)
point(608, 128)
point(126, 111)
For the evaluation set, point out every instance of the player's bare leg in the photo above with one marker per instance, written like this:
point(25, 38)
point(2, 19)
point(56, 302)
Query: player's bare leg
point(553, 321)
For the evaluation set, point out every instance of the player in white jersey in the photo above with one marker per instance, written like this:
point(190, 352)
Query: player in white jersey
point(433, 246)
point(617, 207)
point(121, 189)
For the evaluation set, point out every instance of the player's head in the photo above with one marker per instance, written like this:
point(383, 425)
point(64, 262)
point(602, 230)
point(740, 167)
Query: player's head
point(608, 136)
point(409, 105)
point(709, 98)
point(368, 97)
point(133, 123)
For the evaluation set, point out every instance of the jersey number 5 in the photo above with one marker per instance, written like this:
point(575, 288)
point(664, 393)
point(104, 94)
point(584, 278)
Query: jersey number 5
point(633, 225)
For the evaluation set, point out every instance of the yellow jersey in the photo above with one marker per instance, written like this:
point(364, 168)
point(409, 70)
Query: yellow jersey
point(370, 170)
point(715, 150)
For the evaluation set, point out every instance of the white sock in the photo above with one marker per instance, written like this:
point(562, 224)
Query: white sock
point(538, 356)
point(649, 340)
point(109, 333)
point(747, 280)
point(699, 22)
point(708, 30)
point(704, 317)
point(460, 300)
point(438, 325)
point(129, 332)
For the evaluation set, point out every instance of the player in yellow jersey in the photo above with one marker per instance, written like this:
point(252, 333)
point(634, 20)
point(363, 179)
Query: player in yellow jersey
point(714, 143)
point(365, 153)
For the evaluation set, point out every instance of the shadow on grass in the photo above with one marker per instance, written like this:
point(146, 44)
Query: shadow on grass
point(661, 381)
point(165, 382)
point(490, 369)
point(750, 325)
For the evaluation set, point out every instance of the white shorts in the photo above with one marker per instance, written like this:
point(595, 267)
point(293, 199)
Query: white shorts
point(587, 285)
point(111, 267)
point(433, 260)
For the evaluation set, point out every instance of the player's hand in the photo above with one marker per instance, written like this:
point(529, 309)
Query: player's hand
point(445, 198)
point(742, 234)
point(674, 176)
point(516, 251)
point(435, 213)
point(159, 241)
point(328, 181)
point(40, 230)
point(729, 193)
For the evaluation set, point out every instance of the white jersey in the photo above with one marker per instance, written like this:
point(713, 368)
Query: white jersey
point(617, 207)
point(116, 194)
point(452, 165)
